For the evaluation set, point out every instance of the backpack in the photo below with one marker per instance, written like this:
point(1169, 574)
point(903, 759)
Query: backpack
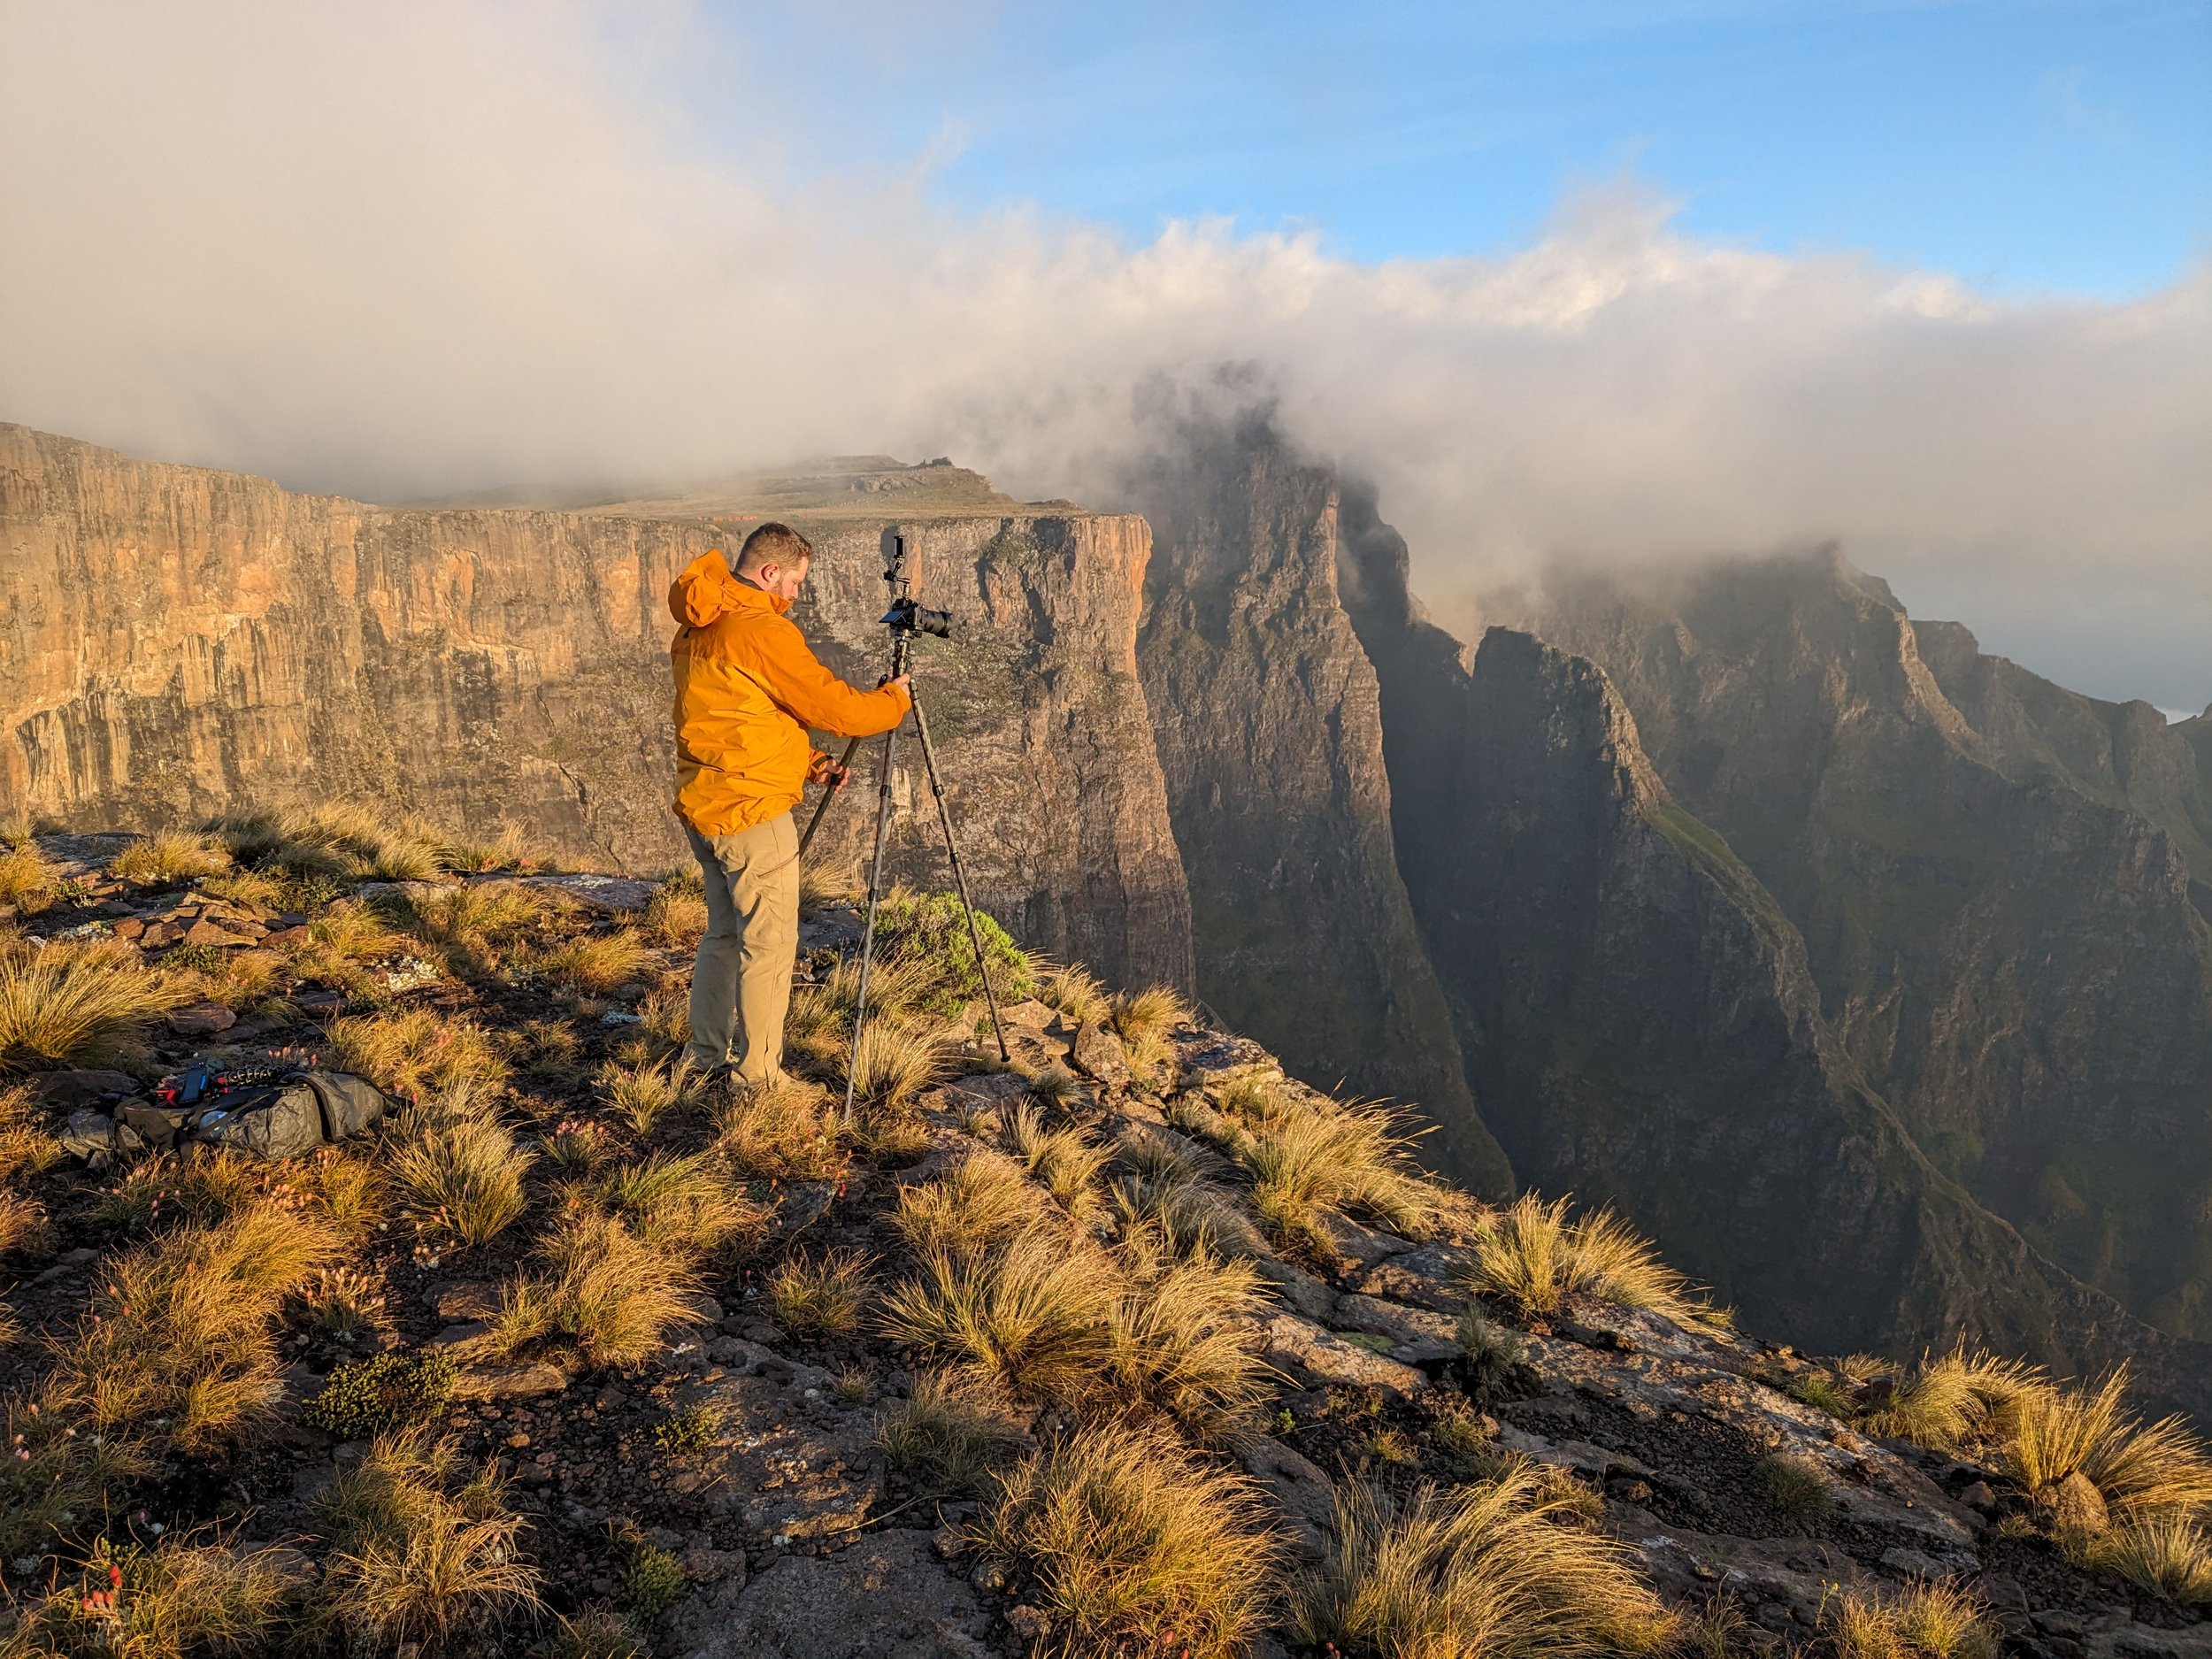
point(288, 1115)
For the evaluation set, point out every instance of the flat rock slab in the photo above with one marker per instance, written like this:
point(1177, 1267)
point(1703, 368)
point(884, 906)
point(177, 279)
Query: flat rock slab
point(788, 1465)
point(1303, 1348)
point(1433, 1277)
point(1099, 1055)
point(885, 1596)
point(202, 1019)
point(615, 895)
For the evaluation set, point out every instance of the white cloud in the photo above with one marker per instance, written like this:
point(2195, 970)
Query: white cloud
point(418, 247)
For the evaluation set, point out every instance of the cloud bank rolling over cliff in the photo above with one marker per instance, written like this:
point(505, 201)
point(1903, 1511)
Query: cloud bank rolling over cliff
point(420, 248)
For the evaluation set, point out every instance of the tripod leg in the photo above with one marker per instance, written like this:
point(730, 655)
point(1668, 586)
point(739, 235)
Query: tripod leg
point(868, 938)
point(959, 877)
point(828, 795)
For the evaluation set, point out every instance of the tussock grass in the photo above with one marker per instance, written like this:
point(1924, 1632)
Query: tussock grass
point(1065, 1160)
point(417, 1052)
point(1076, 992)
point(1192, 1217)
point(602, 1291)
point(22, 1222)
point(1948, 1403)
point(820, 1295)
point(1797, 1486)
point(981, 1202)
point(506, 850)
point(57, 1473)
point(1532, 1256)
point(1186, 1336)
point(347, 841)
point(596, 964)
point(949, 1434)
point(2168, 1555)
point(72, 1003)
point(789, 1133)
point(2052, 1435)
point(1145, 1020)
point(1475, 1569)
point(1134, 1544)
point(344, 1303)
point(1032, 1317)
point(1926, 1621)
point(422, 1551)
point(180, 1330)
point(896, 1059)
point(25, 1147)
point(340, 945)
point(822, 886)
point(177, 1602)
point(482, 922)
point(683, 1205)
point(676, 916)
point(30, 882)
point(461, 1178)
point(168, 858)
point(597, 1632)
point(640, 1092)
point(1314, 1156)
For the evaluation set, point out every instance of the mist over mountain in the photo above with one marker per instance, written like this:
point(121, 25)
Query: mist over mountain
point(462, 247)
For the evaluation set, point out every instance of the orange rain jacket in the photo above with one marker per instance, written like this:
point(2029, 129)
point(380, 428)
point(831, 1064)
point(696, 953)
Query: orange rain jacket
point(747, 691)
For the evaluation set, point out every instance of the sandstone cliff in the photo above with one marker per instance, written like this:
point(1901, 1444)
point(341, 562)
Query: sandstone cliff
point(176, 641)
point(1995, 893)
point(1269, 728)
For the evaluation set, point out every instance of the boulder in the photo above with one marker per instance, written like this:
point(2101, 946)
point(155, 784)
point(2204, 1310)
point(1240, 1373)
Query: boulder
point(883, 1597)
point(1099, 1055)
point(1305, 1349)
point(201, 1019)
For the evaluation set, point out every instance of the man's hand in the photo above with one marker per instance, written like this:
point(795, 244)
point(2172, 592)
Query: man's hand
point(904, 682)
point(822, 768)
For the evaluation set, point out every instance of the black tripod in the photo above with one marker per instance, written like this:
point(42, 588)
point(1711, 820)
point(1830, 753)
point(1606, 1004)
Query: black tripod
point(905, 619)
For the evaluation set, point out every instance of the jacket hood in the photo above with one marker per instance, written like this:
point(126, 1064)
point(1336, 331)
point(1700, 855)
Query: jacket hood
point(705, 591)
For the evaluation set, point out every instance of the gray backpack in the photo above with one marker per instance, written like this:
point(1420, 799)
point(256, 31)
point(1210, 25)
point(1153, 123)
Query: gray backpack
point(287, 1118)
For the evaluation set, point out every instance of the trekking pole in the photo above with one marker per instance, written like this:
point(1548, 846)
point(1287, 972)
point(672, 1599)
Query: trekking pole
point(959, 877)
point(875, 886)
point(828, 795)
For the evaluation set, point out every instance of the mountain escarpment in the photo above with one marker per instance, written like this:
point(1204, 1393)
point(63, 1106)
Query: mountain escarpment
point(177, 642)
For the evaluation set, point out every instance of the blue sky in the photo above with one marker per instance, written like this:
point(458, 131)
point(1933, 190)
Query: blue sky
point(2025, 148)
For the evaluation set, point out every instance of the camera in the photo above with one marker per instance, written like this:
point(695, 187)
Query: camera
point(907, 615)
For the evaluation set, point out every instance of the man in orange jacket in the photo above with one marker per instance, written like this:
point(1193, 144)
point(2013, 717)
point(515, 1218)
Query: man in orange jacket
point(747, 690)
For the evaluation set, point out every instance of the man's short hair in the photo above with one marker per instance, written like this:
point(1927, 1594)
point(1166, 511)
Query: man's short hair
point(773, 544)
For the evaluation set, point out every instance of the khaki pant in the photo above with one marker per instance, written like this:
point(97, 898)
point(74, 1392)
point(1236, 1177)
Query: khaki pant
point(744, 973)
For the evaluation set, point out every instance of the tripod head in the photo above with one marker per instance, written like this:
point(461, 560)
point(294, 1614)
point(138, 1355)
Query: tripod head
point(907, 616)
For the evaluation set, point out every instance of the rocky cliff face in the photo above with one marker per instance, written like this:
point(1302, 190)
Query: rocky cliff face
point(1267, 719)
point(1995, 891)
point(176, 641)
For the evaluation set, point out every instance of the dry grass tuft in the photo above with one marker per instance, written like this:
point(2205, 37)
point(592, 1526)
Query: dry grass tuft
point(1533, 1256)
point(2052, 1435)
point(896, 1059)
point(1032, 1317)
point(820, 1296)
point(604, 1293)
point(72, 1003)
point(676, 916)
point(683, 1205)
point(1065, 1159)
point(789, 1133)
point(419, 1553)
point(415, 1053)
point(481, 922)
point(983, 1200)
point(1926, 1621)
point(1948, 1403)
point(181, 1329)
point(1476, 1570)
point(177, 1602)
point(640, 1092)
point(28, 881)
point(1134, 1544)
point(168, 858)
point(461, 1178)
point(596, 964)
point(344, 840)
point(949, 1434)
point(1076, 992)
point(1186, 1336)
point(1145, 1021)
point(1310, 1155)
point(2168, 1555)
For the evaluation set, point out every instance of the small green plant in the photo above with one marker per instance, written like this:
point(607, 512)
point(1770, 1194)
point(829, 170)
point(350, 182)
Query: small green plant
point(1487, 1350)
point(597, 1632)
point(1796, 1487)
point(1816, 1390)
point(653, 1581)
point(688, 1430)
point(386, 1391)
point(1466, 1441)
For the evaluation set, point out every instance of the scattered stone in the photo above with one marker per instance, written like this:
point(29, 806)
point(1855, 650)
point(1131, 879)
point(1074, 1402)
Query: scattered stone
point(1303, 1493)
point(1361, 1245)
point(201, 1019)
point(289, 938)
point(1098, 1053)
point(1302, 1347)
point(464, 1301)
point(206, 932)
point(1301, 1290)
point(509, 1382)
